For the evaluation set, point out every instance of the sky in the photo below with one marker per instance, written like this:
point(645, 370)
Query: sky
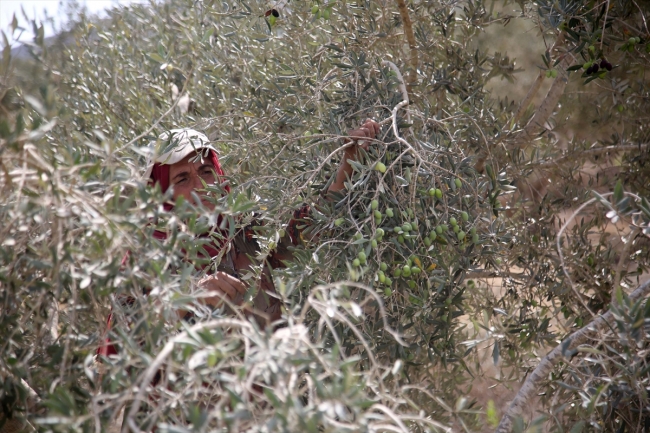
point(54, 8)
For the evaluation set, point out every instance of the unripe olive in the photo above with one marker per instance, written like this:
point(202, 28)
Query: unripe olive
point(406, 227)
point(472, 230)
point(387, 290)
point(362, 257)
point(378, 215)
point(632, 40)
point(409, 211)
point(414, 225)
point(433, 235)
point(339, 221)
point(458, 183)
point(383, 266)
point(427, 242)
point(389, 213)
point(397, 229)
point(461, 235)
point(415, 270)
point(464, 215)
point(373, 243)
point(400, 239)
point(326, 14)
point(397, 273)
point(444, 227)
point(374, 204)
point(406, 271)
point(380, 233)
point(455, 229)
point(439, 230)
point(475, 238)
point(358, 236)
point(356, 263)
point(438, 193)
point(453, 221)
point(412, 284)
point(382, 278)
point(314, 9)
point(380, 167)
point(432, 192)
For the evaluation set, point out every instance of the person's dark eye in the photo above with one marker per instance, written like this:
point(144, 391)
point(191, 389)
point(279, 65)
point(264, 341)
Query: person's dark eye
point(181, 181)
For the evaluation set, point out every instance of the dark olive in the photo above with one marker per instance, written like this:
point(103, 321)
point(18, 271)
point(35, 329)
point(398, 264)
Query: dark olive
point(606, 65)
point(595, 68)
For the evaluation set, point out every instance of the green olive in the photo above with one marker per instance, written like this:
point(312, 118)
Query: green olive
point(427, 242)
point(406, 271)
point(388, 282)
point(406, 227)
point(362, 257)
point(439, 230)
point(455, 229)
point(461, 235)
point(473, 230)
point(453, 221)
point(378, 215)
point(412, 284)
point(314, 9)
point(400, 239)
point(415, 270)
point(432, 192)
point(388, 291)
point(374, 204)
point(433, 235)
point(389, 213)
point(464, 215)
point(380, 167)
point(397, 273)
point(458, 183)
point(397, 229)
point(373, 243)
point(356, 263)
point(383, 266)
point(339, 221)
point(438, 193)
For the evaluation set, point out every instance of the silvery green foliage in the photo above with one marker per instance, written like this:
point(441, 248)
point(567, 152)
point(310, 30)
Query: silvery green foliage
point(371, 347)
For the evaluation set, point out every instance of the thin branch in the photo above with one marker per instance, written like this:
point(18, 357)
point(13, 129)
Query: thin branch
point(596, 151)
point(530, 387)
point(621, 262)
point(537, 84)
point(410, 37)
point(545, 109)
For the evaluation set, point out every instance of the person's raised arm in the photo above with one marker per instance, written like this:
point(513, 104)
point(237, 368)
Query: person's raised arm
point(355, 140)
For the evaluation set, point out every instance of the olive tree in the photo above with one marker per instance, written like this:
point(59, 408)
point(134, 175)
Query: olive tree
point(449, 238)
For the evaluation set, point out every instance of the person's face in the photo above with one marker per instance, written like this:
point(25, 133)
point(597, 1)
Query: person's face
point(185, 176)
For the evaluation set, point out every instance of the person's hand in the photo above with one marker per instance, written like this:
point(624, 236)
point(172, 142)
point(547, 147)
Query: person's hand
point(368, 130)
point(223, 286)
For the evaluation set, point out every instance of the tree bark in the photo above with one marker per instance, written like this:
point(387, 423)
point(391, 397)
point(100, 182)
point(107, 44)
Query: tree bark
point(531, 386)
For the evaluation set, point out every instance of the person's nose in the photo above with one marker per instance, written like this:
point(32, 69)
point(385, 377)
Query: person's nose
point(196, 181)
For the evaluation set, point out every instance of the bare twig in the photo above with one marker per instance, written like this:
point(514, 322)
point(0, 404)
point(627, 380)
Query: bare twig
point(530, 387)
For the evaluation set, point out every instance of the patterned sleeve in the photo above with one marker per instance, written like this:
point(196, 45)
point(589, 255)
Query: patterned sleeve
point(301, 220)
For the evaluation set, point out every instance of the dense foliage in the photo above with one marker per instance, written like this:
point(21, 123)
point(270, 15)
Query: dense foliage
point(473, 225)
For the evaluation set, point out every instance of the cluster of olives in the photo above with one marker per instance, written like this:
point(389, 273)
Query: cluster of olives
point(593, 67)
point(408, 233)
point(631, 44)
point(321, 13)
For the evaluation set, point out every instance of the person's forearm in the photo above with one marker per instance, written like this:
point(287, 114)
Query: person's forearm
point(345, 169)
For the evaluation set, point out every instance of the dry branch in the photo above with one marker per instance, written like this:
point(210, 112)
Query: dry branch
point(531, 386)
point(410, 37)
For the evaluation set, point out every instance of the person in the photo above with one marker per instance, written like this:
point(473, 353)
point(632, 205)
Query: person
point(192, 163)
